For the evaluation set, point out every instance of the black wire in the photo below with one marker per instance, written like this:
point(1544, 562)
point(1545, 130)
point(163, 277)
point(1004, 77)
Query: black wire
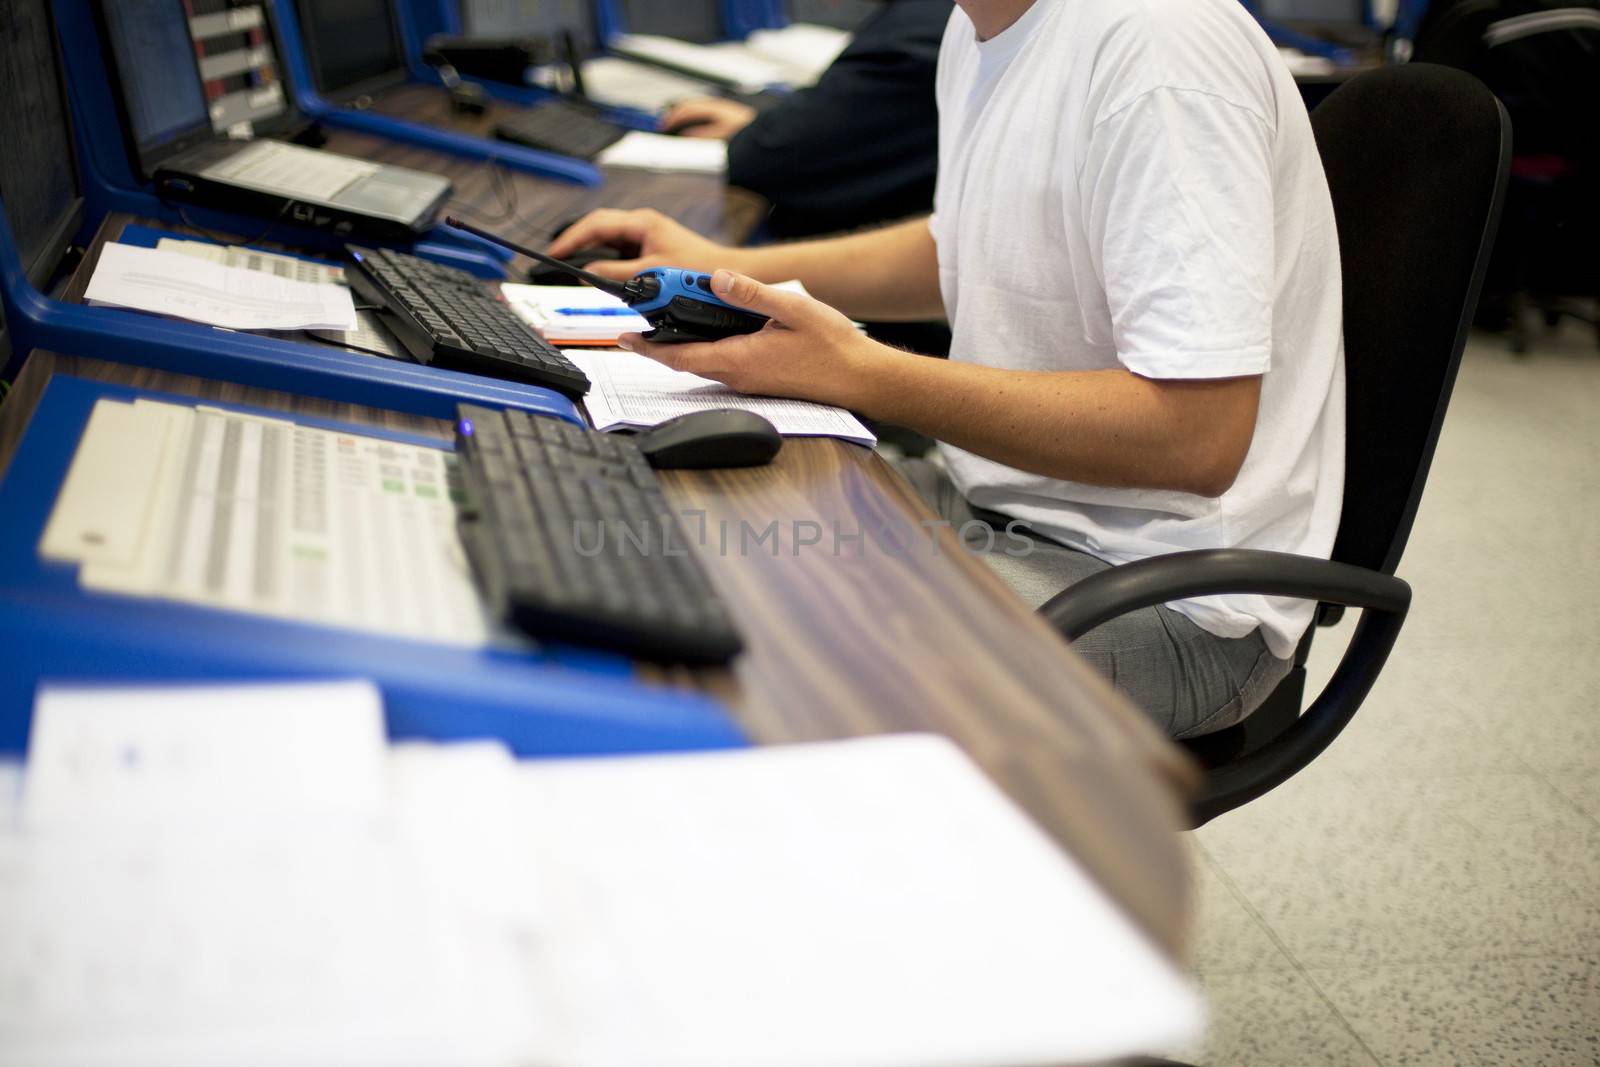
point(183, 216)
point(505, 191)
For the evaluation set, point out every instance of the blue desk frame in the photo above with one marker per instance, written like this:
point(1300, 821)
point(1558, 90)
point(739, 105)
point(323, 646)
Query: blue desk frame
point(558, 701)
point(37, 321)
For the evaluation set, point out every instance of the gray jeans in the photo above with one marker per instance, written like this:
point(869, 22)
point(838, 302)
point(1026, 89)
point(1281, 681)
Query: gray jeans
point(1189, 681)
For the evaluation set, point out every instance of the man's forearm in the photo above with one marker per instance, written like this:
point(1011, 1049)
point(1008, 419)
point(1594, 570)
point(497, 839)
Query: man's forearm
point(1108, 427)
point(885, 275)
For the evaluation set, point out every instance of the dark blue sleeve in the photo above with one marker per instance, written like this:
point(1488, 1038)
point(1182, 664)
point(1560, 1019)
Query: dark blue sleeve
point(861, 145)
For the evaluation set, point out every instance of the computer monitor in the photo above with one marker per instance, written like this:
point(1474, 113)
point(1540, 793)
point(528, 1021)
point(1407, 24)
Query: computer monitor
point(353, 46)
point(38, 172)
point(162, 97)
point(524, 18)
point(840, 14)
point(699, 21)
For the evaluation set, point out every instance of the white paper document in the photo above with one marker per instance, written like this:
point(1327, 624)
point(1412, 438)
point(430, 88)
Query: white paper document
point(616, 82)
point(801, 50)
point(269, 517)
point(186, 287)
point(291, 267)
point(171, 756)
point(745, 72)
point(657, 151)
point(227, 924)
point(631, 390)
point(867, 903)
point(573, 314)
point(240, 875)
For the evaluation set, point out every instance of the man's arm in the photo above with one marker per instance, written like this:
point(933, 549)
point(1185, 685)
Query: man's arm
point(1106, 427)
point(886, 275)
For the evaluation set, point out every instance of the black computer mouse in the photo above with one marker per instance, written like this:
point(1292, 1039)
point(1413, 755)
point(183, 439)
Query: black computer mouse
point(544, 274)
point(705, 439)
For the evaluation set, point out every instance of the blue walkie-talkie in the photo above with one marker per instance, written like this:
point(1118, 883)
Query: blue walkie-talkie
point(678, 303)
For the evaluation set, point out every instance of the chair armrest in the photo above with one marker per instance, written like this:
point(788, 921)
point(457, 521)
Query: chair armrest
point(1181, 575)
point(1208, 572)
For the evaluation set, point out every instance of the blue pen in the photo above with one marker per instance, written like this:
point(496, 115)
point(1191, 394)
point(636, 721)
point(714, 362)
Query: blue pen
point(595, 311)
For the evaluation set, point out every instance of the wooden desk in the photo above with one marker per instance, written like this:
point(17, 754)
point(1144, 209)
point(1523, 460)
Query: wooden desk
point(861, 638)
point(868, 640)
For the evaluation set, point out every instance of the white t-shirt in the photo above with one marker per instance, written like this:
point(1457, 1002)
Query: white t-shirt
point(1134, 184)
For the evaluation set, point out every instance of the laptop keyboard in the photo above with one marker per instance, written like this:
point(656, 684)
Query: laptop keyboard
point(291, 170)
point(446, 317)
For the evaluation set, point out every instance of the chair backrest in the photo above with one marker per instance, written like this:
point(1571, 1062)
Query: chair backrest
point(1416, 157)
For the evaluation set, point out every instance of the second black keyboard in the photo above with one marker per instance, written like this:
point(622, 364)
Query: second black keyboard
point(571, 540)
point(445, 316)
point(564, 128)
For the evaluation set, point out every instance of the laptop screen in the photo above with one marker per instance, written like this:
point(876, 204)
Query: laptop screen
point(840, 14)
point(38, 179)
point(519, 18)
point(238, 64)
point(353, 45)
point(699, 21)
point(161, 89)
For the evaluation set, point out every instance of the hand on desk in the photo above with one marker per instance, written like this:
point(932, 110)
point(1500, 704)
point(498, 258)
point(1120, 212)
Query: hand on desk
point(660, 242)
point(709, 116)
point(808, 350)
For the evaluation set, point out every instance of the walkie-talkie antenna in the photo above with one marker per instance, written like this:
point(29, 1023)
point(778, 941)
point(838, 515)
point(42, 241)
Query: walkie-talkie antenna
point(618, 289)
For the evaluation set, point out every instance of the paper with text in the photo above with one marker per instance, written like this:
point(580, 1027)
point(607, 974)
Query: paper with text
point(270, 517)
point(291, 267)
point(631, 390)
point(866, 903)
point(185, 287)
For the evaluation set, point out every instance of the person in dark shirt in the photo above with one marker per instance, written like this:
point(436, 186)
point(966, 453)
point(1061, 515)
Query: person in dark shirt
point(859, 147)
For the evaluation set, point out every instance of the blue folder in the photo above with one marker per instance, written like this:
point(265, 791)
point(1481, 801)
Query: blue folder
point(550, 701)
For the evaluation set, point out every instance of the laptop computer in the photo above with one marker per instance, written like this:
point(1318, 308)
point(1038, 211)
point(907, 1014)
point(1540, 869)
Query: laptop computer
point(166, 117)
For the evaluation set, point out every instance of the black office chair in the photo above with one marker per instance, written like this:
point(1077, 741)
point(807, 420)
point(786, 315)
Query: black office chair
point(1416, 158)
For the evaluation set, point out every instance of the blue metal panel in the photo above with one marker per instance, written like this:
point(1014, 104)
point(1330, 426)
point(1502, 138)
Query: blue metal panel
point(555, 702)
point(544, 164)
point(36, 321)
point(111, 184)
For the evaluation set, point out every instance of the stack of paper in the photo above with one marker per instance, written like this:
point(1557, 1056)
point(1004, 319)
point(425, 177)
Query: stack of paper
point(628, 390)
point(186, 287)
point(292, 267)
point(657, 151)
point(573, 314)
point(232, 876)
point(246, 875)
point(803, 50)
point(616, 82)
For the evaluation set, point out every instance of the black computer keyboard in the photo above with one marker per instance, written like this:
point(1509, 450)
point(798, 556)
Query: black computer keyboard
point(571, 540)
point(564, 128)
point(445, 316)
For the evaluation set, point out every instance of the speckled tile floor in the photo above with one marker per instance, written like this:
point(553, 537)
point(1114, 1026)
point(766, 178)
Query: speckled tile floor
point(1428, 892)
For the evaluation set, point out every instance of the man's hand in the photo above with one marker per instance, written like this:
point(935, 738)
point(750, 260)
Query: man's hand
point(708, 116)
point(808, 350)
point(658, 241)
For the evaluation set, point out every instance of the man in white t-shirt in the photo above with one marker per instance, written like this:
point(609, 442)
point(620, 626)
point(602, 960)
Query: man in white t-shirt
point(1133, 242)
